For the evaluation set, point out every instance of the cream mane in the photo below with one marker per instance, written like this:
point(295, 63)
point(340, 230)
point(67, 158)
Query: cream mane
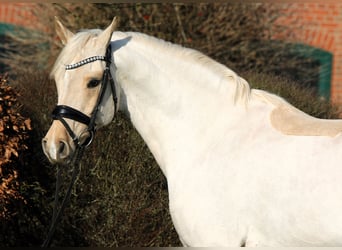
point(242, 88)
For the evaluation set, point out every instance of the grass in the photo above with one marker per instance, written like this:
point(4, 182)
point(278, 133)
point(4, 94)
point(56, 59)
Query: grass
point(127, 205)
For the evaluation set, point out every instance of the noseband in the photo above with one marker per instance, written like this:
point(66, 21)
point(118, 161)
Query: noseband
point(63, 111)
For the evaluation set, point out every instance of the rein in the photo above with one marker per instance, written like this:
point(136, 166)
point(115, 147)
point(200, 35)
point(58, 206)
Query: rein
point(58, 213)
point(62, 112)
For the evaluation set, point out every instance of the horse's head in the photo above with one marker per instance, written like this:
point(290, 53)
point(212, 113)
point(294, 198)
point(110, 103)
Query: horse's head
point(79, 86)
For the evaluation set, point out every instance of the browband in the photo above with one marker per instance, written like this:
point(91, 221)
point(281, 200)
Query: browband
point(85, 61)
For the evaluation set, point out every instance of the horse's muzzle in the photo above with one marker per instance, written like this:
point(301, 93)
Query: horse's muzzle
point(57, 144)
point(56, 151)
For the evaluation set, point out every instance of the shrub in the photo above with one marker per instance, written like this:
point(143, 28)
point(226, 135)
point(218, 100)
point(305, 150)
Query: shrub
point(14, 130)
point(25, 183)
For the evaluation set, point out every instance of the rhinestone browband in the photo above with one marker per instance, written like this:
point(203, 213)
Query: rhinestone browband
point(85, 61)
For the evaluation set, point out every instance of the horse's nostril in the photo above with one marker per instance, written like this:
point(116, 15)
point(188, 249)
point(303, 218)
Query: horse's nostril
point(61, 147)
point(44, 144)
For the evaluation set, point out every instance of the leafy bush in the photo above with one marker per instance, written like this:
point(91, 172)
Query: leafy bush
point(22, 173)
point(13, 140)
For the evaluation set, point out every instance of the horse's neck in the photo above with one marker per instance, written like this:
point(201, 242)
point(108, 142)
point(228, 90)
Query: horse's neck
point(173, 103)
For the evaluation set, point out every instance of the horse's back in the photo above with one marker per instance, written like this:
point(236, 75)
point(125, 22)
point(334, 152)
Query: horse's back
point(291, 121)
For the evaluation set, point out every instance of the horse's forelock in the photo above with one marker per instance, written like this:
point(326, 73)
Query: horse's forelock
point(70, 51)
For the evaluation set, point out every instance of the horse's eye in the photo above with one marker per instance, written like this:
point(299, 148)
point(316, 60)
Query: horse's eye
point(93, 83)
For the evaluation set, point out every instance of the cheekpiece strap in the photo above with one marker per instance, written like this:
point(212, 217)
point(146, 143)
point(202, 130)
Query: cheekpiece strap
point(85, 61)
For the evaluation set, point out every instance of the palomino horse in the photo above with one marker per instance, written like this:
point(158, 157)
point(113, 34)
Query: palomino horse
point(243, 166)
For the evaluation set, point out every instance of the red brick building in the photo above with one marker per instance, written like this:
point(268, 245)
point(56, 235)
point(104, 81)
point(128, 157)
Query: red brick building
point(317, 25)
point(18, 14)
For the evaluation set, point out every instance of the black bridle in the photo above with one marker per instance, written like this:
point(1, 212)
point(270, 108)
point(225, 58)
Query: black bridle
point(63, 111)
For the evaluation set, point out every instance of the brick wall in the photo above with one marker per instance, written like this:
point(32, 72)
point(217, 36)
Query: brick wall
point(318, 25)
point(18, 14)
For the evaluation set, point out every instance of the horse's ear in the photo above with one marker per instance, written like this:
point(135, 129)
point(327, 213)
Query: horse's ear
point(106, 35)
point(62, 32)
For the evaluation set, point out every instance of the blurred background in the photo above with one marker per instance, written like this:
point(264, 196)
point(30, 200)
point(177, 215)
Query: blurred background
point(120, 198)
